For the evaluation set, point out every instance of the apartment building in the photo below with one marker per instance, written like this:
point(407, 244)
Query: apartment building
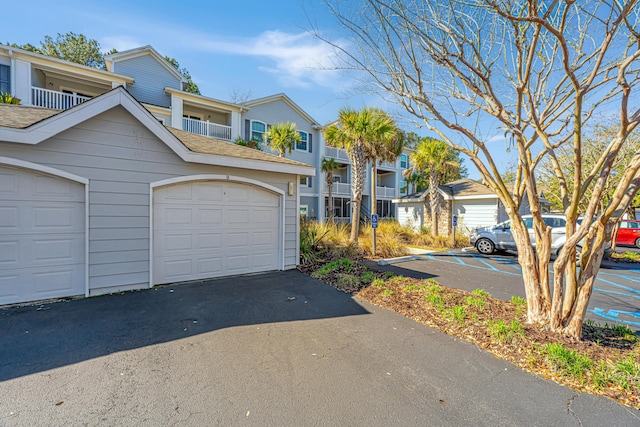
point(46, 82)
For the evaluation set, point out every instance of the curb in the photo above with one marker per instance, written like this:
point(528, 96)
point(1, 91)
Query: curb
point(416, 254)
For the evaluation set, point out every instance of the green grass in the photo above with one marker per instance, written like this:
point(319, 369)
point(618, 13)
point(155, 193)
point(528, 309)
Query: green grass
point(481, 293)
point(458, 314)
point(387, 293)
point(378, 284)
point(475, 302)
point(567, 362)
point(505, 333)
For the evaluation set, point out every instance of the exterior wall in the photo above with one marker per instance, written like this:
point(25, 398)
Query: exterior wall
point(279, 111)
point(312, 205)
point(207, 115)
point(411, 215)
point(476, 213)
point(120, 157)
point(150, 79)
point(74, 86)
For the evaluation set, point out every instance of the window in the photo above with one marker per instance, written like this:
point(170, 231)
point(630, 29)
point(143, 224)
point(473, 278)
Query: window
point(385, 209)
point(305, 181)
point(258, 129)
point(555, 222)
point(5, 82)
point(304, 139)
point(528, 222)
point(304, 211)
point(337, 178)
point(403, 161)
point(341, 207)
point(403, 187)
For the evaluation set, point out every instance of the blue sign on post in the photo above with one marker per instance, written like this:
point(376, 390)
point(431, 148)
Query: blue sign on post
point(455, 220)
point(374, 221)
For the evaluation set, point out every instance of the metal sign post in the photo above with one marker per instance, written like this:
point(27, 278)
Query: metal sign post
point(374, 225)
point(454, 222)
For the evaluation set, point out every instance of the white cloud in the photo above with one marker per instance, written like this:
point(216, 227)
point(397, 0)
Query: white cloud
point(120, 43)
point(298, 59)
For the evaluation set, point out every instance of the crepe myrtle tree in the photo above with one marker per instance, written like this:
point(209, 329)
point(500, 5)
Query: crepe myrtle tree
point(535, 72)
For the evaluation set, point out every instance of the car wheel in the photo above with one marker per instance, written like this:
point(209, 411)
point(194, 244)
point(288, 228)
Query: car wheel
point(485, 246)
point(638, 242)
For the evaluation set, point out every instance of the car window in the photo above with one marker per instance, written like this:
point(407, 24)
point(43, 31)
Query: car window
point(528, 222)
point(555, 222)
point(624, 224)
point(634, 225)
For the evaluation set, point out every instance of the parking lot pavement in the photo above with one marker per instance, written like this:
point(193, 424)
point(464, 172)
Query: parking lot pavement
point(276, 349)
point(616, 296)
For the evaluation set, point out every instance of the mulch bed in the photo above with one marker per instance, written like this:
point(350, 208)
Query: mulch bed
point(402, 296)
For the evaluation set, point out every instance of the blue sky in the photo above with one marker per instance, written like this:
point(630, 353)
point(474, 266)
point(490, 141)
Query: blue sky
point(261, 47)
point(245, 47)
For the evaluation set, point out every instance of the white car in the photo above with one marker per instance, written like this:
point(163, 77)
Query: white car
point(498, 237)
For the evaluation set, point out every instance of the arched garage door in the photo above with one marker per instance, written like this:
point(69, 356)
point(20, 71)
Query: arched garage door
point(208, 229)
point(42, 236)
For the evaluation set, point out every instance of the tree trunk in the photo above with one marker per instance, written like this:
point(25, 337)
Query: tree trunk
point(530, 274)
point(330, 188)
point(433, 199)
point(359, 164)
point(374, 203)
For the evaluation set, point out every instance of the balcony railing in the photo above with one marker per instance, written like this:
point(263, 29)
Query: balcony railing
point(339, 188)
point(53, 99)
point(336, 153)
point(213, 130)
point(385, 192)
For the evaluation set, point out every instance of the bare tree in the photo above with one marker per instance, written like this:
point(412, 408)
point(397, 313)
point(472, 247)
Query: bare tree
point(537, 72)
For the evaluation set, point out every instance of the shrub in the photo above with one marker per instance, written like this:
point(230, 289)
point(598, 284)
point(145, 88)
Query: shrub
point(505, 333)
point(567, 362)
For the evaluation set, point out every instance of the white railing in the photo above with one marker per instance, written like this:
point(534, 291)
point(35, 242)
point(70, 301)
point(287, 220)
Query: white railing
point(53, 99)
point(213, 130)
point(339, 188)
point(386, 192)
point(391, 165)
point(336, 153)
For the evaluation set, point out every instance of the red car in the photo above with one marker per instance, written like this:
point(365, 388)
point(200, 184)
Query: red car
point(629, 233)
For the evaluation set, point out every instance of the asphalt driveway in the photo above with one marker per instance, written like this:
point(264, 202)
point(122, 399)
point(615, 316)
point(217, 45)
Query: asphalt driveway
point(272, 349)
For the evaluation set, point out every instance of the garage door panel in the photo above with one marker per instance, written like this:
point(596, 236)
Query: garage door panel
point(208, 193)
point(230, 232)
point(42, 236)
point(8, 219)
point(178, 216)
point(210, 241)
point(209, 216)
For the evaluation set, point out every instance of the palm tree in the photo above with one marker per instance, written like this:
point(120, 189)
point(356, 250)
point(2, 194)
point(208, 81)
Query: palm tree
point(435, 158)
point(328, 166)
point(281, 137)
point(386, 148)
point(354, 131)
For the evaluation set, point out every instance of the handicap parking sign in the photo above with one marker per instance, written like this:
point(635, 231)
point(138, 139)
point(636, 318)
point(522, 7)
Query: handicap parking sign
point(455, 220)
point(374, 221)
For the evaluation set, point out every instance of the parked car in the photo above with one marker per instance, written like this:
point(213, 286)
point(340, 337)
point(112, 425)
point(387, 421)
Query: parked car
point(498, 237)
point(629, 233)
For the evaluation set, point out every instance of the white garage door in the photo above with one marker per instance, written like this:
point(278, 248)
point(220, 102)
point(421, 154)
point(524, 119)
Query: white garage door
point(210, 229)
point(42, 236)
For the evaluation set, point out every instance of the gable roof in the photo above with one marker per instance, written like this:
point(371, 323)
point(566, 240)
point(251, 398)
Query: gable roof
point(111, 59)
point(28, 125)
point(45, 62)
point(460, 189)
point(283, 97)
point(466, 188)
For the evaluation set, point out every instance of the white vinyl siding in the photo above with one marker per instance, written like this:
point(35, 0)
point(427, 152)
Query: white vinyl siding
point(476, 213)
point(42, 236)
point(121, 158)
point(411, 215)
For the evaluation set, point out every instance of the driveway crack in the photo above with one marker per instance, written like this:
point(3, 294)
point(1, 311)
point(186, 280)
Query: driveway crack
point(571, 411)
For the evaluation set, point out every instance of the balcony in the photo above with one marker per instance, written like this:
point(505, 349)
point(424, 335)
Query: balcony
point(385, 192)
point(339, 189)
point(206, 128)
point(53, 99)
point(336, 153)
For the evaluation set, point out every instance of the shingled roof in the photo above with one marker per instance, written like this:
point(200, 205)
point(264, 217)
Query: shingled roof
point(22, 117)
point(205, 145)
